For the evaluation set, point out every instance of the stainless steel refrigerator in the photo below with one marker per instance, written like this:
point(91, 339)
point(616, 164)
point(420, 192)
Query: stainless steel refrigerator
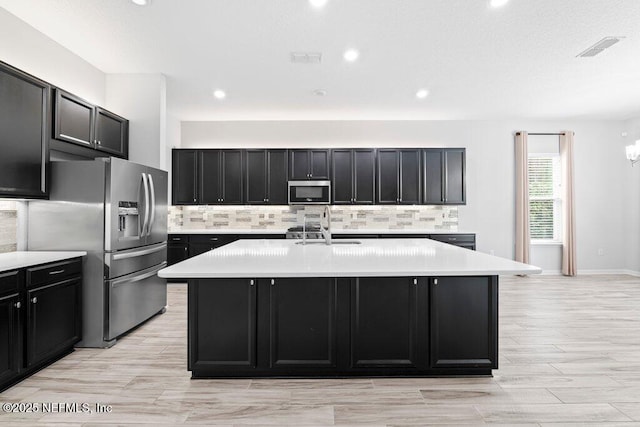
point(115, 210)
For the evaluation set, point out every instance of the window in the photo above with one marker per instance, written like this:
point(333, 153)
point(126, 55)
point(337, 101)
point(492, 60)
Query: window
point(544, 198)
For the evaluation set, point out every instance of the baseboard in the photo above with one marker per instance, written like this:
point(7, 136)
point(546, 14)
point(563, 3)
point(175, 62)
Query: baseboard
point(590, 272)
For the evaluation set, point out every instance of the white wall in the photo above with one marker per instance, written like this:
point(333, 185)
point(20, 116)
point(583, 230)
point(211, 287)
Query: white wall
point(141, 98)
point(29, 50)
point(601, 170)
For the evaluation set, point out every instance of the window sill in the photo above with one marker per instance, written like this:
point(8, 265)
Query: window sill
point(546, 243)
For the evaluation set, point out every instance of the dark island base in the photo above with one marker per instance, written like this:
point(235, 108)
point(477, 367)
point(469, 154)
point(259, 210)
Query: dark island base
point(343, 327)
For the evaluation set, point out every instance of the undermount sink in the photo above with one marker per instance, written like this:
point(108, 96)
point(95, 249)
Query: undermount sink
point(333, 242)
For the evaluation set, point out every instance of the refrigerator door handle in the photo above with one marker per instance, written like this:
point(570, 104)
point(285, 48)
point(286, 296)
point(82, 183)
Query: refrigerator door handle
point(141, 252)
point(152, 216)
point(146, 205)
point(126, 280)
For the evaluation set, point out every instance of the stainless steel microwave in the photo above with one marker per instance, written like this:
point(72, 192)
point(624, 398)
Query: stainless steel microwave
point(309, 192)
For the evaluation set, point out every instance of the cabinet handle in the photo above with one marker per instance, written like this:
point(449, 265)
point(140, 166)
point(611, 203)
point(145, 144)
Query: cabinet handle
point(34, 300)
point(186, 249)
point(453, 238)
point(99, 142)
point(214, 239)
point(95, 141)
point(435, 281)
point(252, 282)
point(194, 199)
point(273, 282)
point(415, 281)
point(17, 305)
point(56, 272)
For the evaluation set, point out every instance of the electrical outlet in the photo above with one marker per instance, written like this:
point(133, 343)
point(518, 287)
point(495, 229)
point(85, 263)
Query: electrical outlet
point(600, 251)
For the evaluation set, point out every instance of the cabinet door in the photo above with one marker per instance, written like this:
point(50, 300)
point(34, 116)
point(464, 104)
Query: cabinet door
point(222, 324)
point(231, 190)
point(342, 176)
point(364, 176)
point(454, 161)
point(112, 133)
point(256, 176)
point(74, 118)
point(209, 176)
point(388, 177)
point(277, 177)
point(177, 253)
point(464, 322)
point(433, 176)
point(410, 177)
point(10, 338)
point(53, 320)
point(184, 176)
point(319, 164)
point(303, 322)
point(24, 134)
point(201, 243)
point(299, 164)
point(384, 322)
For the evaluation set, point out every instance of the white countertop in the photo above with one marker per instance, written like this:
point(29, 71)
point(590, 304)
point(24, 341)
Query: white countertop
point(373, 257)
point(333, 231)
point(21, 259)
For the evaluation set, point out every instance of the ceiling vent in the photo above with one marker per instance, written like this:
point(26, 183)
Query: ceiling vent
point(603, 44)
point(306, 57)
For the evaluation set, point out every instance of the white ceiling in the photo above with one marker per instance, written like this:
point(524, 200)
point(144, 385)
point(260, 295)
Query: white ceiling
point(477, 62)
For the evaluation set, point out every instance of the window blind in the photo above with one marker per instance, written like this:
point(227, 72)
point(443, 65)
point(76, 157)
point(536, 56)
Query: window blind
point(544, 178)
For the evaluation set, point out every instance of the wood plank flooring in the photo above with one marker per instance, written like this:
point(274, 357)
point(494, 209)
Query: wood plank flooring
point(569, 355)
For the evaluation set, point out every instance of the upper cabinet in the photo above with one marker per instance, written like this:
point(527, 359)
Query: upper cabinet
point(444, 176)
point(399, 176)
point(207, 177)
point(353, 176)
point(79, 122)
point(308, 164)
point(266, 177)
point(24, 134)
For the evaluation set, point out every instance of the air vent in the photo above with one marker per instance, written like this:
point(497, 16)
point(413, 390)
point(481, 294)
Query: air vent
point(597, 48)
point(306, 57)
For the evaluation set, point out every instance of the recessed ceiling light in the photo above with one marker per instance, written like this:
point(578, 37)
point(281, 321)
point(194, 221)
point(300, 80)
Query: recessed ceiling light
point(498, 3)
point(219, 94)
point(318, 4)
point(351, 55)
point(422, 94)
point(141, 2)
point(319, 92)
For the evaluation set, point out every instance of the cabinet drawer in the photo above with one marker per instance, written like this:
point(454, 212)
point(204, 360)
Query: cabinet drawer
point(213, 239)
point(178, 238)
point(9, 282)
point(454, 238)
point(53, 272)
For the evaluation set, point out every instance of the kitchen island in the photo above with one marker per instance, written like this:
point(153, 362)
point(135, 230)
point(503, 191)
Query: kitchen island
point(277, 308)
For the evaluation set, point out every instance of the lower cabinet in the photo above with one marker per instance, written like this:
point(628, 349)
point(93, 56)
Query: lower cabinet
point(53, 319)
point(343, 326)
point(302, 322)
point(40, 317)
point(464, 326)
point(384, 322)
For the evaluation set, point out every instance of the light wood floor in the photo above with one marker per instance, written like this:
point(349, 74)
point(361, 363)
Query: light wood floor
point(569, 355)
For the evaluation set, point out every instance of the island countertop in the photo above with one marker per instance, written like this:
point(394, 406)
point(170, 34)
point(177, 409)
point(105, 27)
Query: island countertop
point(370, 258)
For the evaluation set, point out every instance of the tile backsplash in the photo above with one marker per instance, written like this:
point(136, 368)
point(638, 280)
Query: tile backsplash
point(8, 226)
point(342, 217)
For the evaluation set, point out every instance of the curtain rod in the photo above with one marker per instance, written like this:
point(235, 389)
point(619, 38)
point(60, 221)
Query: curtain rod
point(531, 133)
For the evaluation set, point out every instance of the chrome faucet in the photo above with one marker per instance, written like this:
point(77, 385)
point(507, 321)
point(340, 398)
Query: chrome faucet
point(326, 232)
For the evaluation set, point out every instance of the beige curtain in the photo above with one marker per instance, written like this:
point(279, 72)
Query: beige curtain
point(568, 205)
point(522, 198)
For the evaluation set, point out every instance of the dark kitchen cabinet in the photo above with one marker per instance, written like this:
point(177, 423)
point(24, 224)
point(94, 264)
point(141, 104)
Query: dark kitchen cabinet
point(77, 121)
point(40, 317)
point(10, 336)
point(24, 134)
point(184, 177)
point(308, 164)
point(399, 176)
point(53, 319)
point(220, 177)
point(467, 241)
point(464, 322)
point(177, 248)
point(224, 311)
point(353, 176)
point(384, 322)
point(444, 176)
point(201, 243)
point(112, 133)
point(302, 322)
point(266, 177)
